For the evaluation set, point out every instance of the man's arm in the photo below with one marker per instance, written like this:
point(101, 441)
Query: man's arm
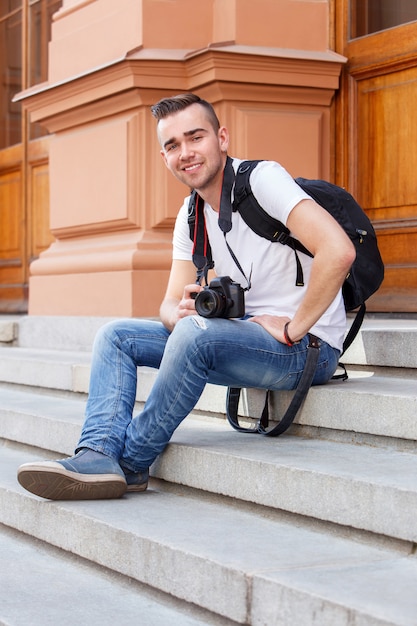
point(178, 302)
point(333, 253)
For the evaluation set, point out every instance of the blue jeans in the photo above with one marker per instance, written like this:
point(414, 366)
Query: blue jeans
point(235, 353)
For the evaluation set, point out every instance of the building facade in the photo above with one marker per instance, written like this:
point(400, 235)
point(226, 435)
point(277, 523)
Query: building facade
point(326, 87)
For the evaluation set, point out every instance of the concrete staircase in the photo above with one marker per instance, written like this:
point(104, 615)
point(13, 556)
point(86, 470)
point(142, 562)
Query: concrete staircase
point(317, 527)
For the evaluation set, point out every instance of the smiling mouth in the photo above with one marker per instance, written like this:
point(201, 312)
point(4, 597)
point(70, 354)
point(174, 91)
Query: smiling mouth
point(190, 168)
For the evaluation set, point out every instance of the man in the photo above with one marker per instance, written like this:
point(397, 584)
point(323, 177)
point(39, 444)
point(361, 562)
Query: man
point(265, 349)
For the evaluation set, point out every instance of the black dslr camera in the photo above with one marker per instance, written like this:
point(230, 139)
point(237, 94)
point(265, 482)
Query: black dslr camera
point(221, 298)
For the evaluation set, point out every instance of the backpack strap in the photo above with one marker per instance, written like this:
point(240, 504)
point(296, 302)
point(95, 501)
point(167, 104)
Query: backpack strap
point(233, 395)
point(260, 221)
point(353, 331)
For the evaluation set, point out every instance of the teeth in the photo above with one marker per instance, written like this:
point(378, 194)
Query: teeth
point(191, 167)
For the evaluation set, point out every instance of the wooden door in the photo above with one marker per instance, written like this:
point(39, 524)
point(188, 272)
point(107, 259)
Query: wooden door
point(24, 185)
point(376, 138)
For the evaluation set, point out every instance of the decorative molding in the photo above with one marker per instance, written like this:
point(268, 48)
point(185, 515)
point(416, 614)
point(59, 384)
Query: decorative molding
point(179, 69)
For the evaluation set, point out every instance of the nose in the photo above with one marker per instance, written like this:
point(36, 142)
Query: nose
point(186, 151)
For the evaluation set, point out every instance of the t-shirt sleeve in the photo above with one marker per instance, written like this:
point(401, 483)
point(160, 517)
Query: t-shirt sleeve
point(275, 190)
point(182, 246)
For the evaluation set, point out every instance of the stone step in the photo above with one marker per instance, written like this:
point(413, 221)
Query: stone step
point(371, 408)
point(369, 489)
point(237, 561)
point(50, 332)
point(385, 342)
point(43, 586)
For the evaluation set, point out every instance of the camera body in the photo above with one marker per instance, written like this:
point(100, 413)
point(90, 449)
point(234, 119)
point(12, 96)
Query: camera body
point(221, 298)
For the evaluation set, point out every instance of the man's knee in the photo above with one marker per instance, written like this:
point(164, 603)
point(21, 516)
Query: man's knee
point(114, 332)
point(108, 330)
point(191, 325)
point(193, 331)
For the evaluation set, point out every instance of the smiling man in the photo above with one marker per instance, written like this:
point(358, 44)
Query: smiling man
point(265, 348)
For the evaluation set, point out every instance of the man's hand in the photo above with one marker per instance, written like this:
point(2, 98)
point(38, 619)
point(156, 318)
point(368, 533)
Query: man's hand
point(186, 305)
point(273, 324)
point(174, 309)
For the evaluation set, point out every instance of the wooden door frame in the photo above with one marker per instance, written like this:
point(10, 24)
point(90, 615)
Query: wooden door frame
point(373, 59)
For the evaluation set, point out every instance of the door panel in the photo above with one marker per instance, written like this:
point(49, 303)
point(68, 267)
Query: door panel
point(389, 190)
point(24, 226)
point(12, 253)
point(10, 219)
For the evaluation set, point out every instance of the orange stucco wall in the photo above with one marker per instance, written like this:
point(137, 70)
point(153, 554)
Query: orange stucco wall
point(265, 66)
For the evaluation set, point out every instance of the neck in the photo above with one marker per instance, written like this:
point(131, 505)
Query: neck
point(212, 192)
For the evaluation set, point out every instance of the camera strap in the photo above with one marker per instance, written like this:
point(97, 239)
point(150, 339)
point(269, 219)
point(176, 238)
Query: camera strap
point(202, 256)
point(235, 259)
point(261, 427)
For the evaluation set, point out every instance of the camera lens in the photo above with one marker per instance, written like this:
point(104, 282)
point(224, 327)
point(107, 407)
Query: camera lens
point(210, 304)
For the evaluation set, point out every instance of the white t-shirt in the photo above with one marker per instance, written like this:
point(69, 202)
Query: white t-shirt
point(272, 264)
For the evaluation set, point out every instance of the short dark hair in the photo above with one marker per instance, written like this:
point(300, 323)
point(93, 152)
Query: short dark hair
point(168, 106)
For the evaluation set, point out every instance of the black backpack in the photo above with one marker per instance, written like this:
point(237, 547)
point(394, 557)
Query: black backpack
point(364, 278)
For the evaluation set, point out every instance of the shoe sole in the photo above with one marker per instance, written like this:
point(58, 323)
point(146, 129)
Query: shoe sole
point(137, 488)
point(54, 482)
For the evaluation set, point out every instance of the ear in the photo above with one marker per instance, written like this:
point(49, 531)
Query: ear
point(163, 155)
point(223, 136)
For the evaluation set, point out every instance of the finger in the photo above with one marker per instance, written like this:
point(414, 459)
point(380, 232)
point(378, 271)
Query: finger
point(191, 289)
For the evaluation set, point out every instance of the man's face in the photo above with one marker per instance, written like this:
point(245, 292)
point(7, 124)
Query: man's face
point(191, 148)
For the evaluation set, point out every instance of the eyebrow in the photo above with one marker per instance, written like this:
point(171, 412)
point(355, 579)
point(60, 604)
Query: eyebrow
point(188, 133)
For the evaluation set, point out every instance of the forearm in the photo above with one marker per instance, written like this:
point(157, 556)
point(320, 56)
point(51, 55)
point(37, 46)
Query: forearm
point(324, 284)
point(178, 301)
point(325, 281)
point(333, 255)
point(168, 312)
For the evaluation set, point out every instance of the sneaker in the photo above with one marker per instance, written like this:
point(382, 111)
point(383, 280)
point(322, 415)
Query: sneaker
point(88, 475)
point(136, 481)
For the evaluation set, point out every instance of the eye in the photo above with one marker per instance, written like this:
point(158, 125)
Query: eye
point(171, 147)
